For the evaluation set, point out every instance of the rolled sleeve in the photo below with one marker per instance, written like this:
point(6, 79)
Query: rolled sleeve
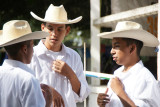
point(84, 89)
point(84, 92)
point(141, 103)
point(148, 94)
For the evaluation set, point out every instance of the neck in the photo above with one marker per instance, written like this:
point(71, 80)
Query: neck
point(16, 58)
point(53, 47)
point(131, 63)
point(19, 57)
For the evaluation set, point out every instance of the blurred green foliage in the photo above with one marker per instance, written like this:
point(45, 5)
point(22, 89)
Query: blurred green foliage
point(20, 9)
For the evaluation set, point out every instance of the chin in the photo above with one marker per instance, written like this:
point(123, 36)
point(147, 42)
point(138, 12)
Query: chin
point(28, 62)
point(117, 62)
point(52, 43)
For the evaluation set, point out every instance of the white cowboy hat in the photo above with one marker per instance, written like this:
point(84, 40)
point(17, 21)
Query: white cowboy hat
point(16, 31)
point(128, 29)
point(56, 15)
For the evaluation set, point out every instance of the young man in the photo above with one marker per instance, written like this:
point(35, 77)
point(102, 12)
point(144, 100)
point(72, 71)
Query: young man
point(134, 84)
point(19, 87)
point(57, 65)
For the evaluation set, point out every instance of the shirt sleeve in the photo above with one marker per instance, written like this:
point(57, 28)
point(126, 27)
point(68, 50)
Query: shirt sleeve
point(31, 94)
point(144, 91)
point(84, 89)
point(147, 93)
point(34, 66)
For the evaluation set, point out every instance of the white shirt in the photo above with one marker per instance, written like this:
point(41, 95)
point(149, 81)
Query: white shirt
point(18, 87)
point(42, 62)
point(139, 84)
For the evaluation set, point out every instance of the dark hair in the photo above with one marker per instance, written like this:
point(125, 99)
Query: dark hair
point(139, 44)
point(46, 23)
point(12, 50)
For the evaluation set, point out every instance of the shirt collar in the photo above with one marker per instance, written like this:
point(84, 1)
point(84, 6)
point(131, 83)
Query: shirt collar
point(132, 70)
point(17, 64)
point(41, 49)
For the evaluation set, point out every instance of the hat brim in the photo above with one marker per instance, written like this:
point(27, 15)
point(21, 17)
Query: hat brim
point(147, 38)
point(55, 22)
point(29, 36)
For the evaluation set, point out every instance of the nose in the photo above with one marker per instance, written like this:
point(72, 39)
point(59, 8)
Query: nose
point(53, 33)
point(112, 52)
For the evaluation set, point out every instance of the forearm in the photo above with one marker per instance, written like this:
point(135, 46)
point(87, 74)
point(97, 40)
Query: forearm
point(47, 93)
point(64, 69)
point(126, 101)
point(75, 82)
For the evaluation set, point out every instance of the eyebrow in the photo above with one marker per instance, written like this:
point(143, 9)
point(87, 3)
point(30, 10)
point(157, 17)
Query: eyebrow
point(116, 43)
point(58, 27)
point(49, 26)
point(61, 27)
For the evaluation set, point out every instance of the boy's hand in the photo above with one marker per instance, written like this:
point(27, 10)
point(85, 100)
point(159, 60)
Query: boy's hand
point(103, 99)
point(116, 85)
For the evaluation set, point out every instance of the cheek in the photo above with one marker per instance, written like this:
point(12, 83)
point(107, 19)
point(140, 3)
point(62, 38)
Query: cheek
point(62, 36)
point(48, 38)
point(31, 54)
point(31, 51)
point(121, 55)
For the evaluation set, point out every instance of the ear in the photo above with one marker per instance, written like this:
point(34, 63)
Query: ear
point(24, 49)
point(42, 27)
point(67, 30)
point(132, 48)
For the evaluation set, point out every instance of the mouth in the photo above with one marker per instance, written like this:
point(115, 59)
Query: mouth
point(54, 40)
point(114, 58)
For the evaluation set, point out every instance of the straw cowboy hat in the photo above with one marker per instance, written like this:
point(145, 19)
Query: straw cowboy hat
point(128, 29)
point(16, 31)
point(56, 15)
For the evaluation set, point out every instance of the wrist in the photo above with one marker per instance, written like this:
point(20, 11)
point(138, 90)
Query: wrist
point(69, 74)
point(120, 93)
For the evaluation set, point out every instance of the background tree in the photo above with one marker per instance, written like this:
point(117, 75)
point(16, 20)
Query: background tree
point(20, 9)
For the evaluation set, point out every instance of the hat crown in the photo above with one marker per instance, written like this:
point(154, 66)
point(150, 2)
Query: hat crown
point(127, 25)
point(56, 13)
point(15, 29)
point(133, 30)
